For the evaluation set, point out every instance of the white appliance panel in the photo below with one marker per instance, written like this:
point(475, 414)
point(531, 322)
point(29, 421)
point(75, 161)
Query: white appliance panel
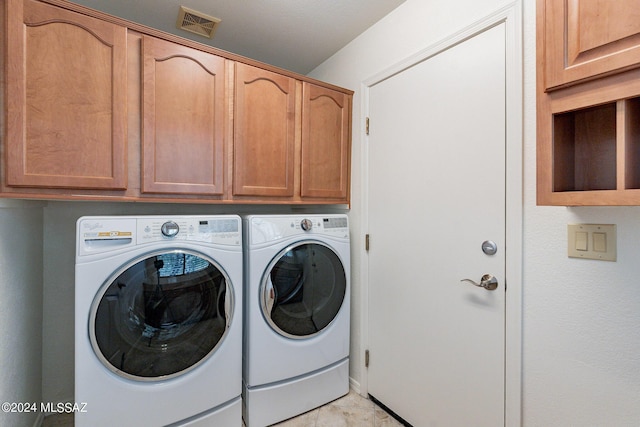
point(210, 391)
point(285, 375)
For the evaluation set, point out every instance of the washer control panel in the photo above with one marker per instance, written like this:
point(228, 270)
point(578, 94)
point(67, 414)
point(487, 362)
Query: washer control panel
point(220, 230)
point(106, 234)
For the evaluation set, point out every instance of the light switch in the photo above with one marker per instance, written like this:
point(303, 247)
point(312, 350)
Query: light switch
point(599, 241)
point(592, 241)
point(582, 242)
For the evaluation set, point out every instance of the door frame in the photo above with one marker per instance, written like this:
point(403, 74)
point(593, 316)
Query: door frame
point(511, 16)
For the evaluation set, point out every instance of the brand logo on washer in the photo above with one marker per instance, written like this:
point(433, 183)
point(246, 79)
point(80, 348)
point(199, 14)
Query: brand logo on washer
point(92, 225)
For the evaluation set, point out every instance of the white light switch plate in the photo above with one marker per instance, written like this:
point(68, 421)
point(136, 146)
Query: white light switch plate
point(592, 241)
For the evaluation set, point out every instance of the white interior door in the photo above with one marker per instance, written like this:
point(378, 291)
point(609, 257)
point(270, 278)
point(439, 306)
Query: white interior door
point(436, 193)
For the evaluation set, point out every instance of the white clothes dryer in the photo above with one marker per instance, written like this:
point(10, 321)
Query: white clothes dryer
point(158, 321)
point(297, 315)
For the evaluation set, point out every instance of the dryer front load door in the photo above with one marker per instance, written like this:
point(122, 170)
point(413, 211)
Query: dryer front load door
point(303, 290)
point(161, 315)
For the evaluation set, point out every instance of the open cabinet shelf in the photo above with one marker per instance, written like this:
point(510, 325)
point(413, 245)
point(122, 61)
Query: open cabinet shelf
point(590, 155)
point(632, 143)
point(584, 149)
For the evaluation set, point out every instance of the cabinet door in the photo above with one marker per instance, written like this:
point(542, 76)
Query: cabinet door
point(66, 99)
point(183, 119)
point(585, 38)
point(326, 143)
point(264, 133)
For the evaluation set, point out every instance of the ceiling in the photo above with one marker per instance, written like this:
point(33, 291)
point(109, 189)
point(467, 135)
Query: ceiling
point(297, 35)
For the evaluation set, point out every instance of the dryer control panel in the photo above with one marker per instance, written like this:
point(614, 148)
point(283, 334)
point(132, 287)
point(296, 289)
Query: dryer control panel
point(271, 228)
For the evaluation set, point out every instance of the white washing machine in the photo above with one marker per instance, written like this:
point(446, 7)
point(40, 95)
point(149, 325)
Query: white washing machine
point(158, 321)
point(297, 290)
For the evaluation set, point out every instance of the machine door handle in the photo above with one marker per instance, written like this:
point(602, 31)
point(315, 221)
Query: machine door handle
point(487, 281)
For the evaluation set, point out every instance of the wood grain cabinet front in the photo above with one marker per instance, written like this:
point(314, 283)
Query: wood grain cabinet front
point(183, 118)
point(588, 38)
point(326, 143)
point(65, 99)
point(264, 147)
point(292, 138)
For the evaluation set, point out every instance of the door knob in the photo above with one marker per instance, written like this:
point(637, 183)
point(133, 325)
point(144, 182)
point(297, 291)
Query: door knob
point(489, 247)
point(487, 281)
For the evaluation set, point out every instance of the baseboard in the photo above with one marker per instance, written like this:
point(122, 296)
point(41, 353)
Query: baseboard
point(39, 420)
point(41, 415)
point(354, 385)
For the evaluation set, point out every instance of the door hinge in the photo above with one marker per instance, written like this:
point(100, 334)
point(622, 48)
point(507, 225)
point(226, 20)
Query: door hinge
point(366, 127)
point(366, 358)
point(366, 242)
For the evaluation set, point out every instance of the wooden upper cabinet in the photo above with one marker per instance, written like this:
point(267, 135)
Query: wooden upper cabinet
point(183, 119)
point(588, 102)
point(326, 142)
point(587, 38)
point(94, 106)
point(66, 99)
point(264, 133)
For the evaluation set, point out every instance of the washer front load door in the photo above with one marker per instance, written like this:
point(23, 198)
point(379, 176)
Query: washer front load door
point(303, 290)
point(161, 316)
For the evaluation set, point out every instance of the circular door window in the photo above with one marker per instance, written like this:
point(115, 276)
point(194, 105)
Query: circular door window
point(303, 290)
point(161, 315)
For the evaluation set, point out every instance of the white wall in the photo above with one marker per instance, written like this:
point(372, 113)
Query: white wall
point(20, 308)
point(581, 346)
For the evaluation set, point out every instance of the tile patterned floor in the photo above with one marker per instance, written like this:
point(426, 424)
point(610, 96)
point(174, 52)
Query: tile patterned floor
point(351, 410)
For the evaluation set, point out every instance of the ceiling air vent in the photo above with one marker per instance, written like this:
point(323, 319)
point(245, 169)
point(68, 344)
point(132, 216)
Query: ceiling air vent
point(196, 22)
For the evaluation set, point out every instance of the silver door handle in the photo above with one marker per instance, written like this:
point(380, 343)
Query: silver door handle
point(487, 281)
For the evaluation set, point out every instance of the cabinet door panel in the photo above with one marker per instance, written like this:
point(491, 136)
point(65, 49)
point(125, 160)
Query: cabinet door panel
point(183, 119)
point(586, 38)
point(66, 99)
point(326, 118)
point(264, 145)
